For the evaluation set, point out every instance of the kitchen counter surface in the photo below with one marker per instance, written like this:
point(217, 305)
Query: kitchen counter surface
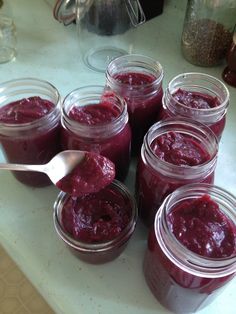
point(49, 50)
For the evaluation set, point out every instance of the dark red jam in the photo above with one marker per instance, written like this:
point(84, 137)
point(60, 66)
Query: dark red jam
point(153, 186)
point(96, 218)
point(143, 101)
point(201, 101)
point(25, 110)
point(200, 225)
point(91, 175)
point(114, 146)
point(203, 228)
point(229, 73)
point(179, 149)
point(28, 144)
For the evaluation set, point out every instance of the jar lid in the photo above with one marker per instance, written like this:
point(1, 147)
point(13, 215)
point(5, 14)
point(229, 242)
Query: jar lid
point(65, 11)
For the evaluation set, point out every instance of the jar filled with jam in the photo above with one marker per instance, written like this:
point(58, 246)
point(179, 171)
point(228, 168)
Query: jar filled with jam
point(191, 253)
point(198, 96)
point(229, 73)
point(96, 227)
point(29, 125)
point(138, 79)
point(175, 152)
point(96, 120)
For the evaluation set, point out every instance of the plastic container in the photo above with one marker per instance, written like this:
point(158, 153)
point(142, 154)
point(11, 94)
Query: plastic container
point(156, 177)
point(115, 196)
point(207, 31)
point(111, 139)
point(206, 100)
point(35, 141)
point(138, 79)
point(180, 279)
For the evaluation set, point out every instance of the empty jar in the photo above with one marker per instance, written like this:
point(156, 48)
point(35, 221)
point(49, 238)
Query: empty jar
point(106, 28)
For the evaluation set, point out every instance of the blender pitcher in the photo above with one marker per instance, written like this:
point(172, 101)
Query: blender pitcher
point(105, 27)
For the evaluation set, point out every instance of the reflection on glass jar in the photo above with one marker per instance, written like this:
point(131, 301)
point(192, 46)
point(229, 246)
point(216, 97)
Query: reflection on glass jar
point(207, 31)
point(191, 253)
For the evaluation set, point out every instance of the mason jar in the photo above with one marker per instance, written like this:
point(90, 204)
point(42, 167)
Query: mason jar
point(207, 31)
point(96, 120)
point(191, 253)
point(138, 79)
point(175, 152)
point(101, 233)
point(29, 125)
point(198, 96)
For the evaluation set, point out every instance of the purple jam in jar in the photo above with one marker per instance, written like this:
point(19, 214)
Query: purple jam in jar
point(174, 153)
point(97, 121)
point(30, 127)
point(197, 96)
point(138, 79)
point(192, 247)
point(91, 175)
point(96, 226)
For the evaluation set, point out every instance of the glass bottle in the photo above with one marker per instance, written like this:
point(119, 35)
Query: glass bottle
point(156, 177)
point(206, 101)
point(182, 280)
point(34, 142)
point(138, 79)
point(207, 31)
point(111, 139)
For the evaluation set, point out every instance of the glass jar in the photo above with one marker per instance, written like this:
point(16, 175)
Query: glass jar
point(35, 141)
point(181, 280)
point(115, 196)
point(156, 177)
point(207, 31)
point(197, 96)
point(7, 38)
point(138, 79)
point(106, 28)
point(111, 139)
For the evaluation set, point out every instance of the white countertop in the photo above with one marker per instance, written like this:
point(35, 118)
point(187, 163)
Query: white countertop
point(49, 50)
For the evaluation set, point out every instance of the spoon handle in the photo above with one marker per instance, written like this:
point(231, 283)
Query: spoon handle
point(22, 167)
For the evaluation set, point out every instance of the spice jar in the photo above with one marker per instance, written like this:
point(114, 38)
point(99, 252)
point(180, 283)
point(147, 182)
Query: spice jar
point(138, 79)
point(96, 227)
point(175, 152)
point(207, 31)
point(29, 125)
point(96, 120)
point(191, 253)
point(198, 96)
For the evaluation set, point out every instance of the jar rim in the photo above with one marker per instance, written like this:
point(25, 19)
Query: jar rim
point(168, 95)
point(103, 246)
point(181, 256)
point(186, 125)
point(136, 60)
point(94, 131)
point(17, 83)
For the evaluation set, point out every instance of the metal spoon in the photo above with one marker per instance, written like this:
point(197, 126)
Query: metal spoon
point(58, 167)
